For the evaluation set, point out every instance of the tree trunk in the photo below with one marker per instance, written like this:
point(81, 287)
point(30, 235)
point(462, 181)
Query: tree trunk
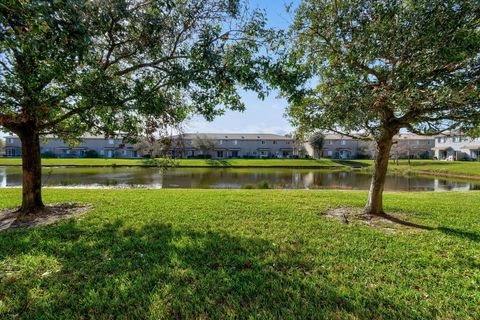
point(32, 172)
point(375, 205)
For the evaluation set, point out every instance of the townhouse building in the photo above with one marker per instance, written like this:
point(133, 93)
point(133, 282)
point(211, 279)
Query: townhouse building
point(339, 147)
point(232, 145)
point(456, 146)
point(413, 146)
point(406, 145)
point(89, 145)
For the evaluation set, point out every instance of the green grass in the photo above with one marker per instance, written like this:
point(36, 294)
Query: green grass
point(184, 162)
point(161, 254)
point(436, 167)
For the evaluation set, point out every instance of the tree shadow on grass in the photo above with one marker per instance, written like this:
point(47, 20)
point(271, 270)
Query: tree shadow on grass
point(353, 164)
point(156, 271)
point(473, 236)
point(404, 222)
point(218, 163)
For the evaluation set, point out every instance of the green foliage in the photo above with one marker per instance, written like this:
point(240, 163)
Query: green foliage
point(124, 66)
point(163, 163)
point(190, 254)
point(385, 65)
point(48, 155)
point(91, 154)
point(204, 144)
point(317, 140)
point(260, 185)
point(320, 163)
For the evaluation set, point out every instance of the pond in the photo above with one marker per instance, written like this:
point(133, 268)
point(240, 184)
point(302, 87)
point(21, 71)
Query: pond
point(229, 178)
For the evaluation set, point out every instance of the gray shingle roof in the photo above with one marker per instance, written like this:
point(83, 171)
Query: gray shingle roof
point(234, 136)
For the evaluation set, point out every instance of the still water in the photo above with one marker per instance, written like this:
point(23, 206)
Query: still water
point(232, 178)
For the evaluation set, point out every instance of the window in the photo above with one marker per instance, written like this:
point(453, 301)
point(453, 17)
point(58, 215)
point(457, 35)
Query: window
point(235, 142)
point(330, 142)
point(9, 140)
point(344, 142)
point(418, 142)
point(439, 140)
point(235, 154)
point(220, 141)
point(219, 154)
point(124, 152)
point(274, 142)
point(329, 153)
point(110, 141)
point(263, 142)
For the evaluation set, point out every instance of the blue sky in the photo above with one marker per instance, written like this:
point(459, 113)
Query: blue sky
point(265, 116)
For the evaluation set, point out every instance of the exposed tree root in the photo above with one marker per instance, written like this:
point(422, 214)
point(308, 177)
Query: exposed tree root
point(386, 222)
point(11, 219)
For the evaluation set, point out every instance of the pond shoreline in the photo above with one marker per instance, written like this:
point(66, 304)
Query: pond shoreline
point(187, 166)
point(234, 177)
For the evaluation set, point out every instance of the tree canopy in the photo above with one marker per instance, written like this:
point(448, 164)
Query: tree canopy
point(109, 65)
point(121, 66)
point(317, 139)
point(381, 66)
point(405, 64)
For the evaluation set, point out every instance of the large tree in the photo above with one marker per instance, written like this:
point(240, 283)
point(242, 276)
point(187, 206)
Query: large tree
point(204, 144)
point(381, 66)
point(109, 66)
point(317, 140)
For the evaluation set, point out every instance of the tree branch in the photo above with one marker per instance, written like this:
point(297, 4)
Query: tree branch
point(64, 117)
point(353, 136)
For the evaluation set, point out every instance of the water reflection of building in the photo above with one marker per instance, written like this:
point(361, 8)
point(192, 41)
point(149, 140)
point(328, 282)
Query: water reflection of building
point(308, 180)
point(451, 185)
point(3, 177)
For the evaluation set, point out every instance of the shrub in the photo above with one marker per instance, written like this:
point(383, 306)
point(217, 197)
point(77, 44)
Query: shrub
point(260, 185)
point(48, 154)
point(91, 154)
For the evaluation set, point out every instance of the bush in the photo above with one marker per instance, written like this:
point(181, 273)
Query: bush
point(206, 156)
point(91, 154)
point(260, 185)
point(48, 154)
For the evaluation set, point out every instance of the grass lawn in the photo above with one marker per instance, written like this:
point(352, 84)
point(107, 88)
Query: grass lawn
point(436, 167)
point(185, 162)
point(162, 254)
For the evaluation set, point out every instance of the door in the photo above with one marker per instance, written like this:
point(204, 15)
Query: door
point(344, 154)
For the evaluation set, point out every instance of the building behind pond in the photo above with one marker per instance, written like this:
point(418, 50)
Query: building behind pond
point(233, 145)
point(405, 145)
point(91, 146)
point(456, 146)
point(450, 146)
